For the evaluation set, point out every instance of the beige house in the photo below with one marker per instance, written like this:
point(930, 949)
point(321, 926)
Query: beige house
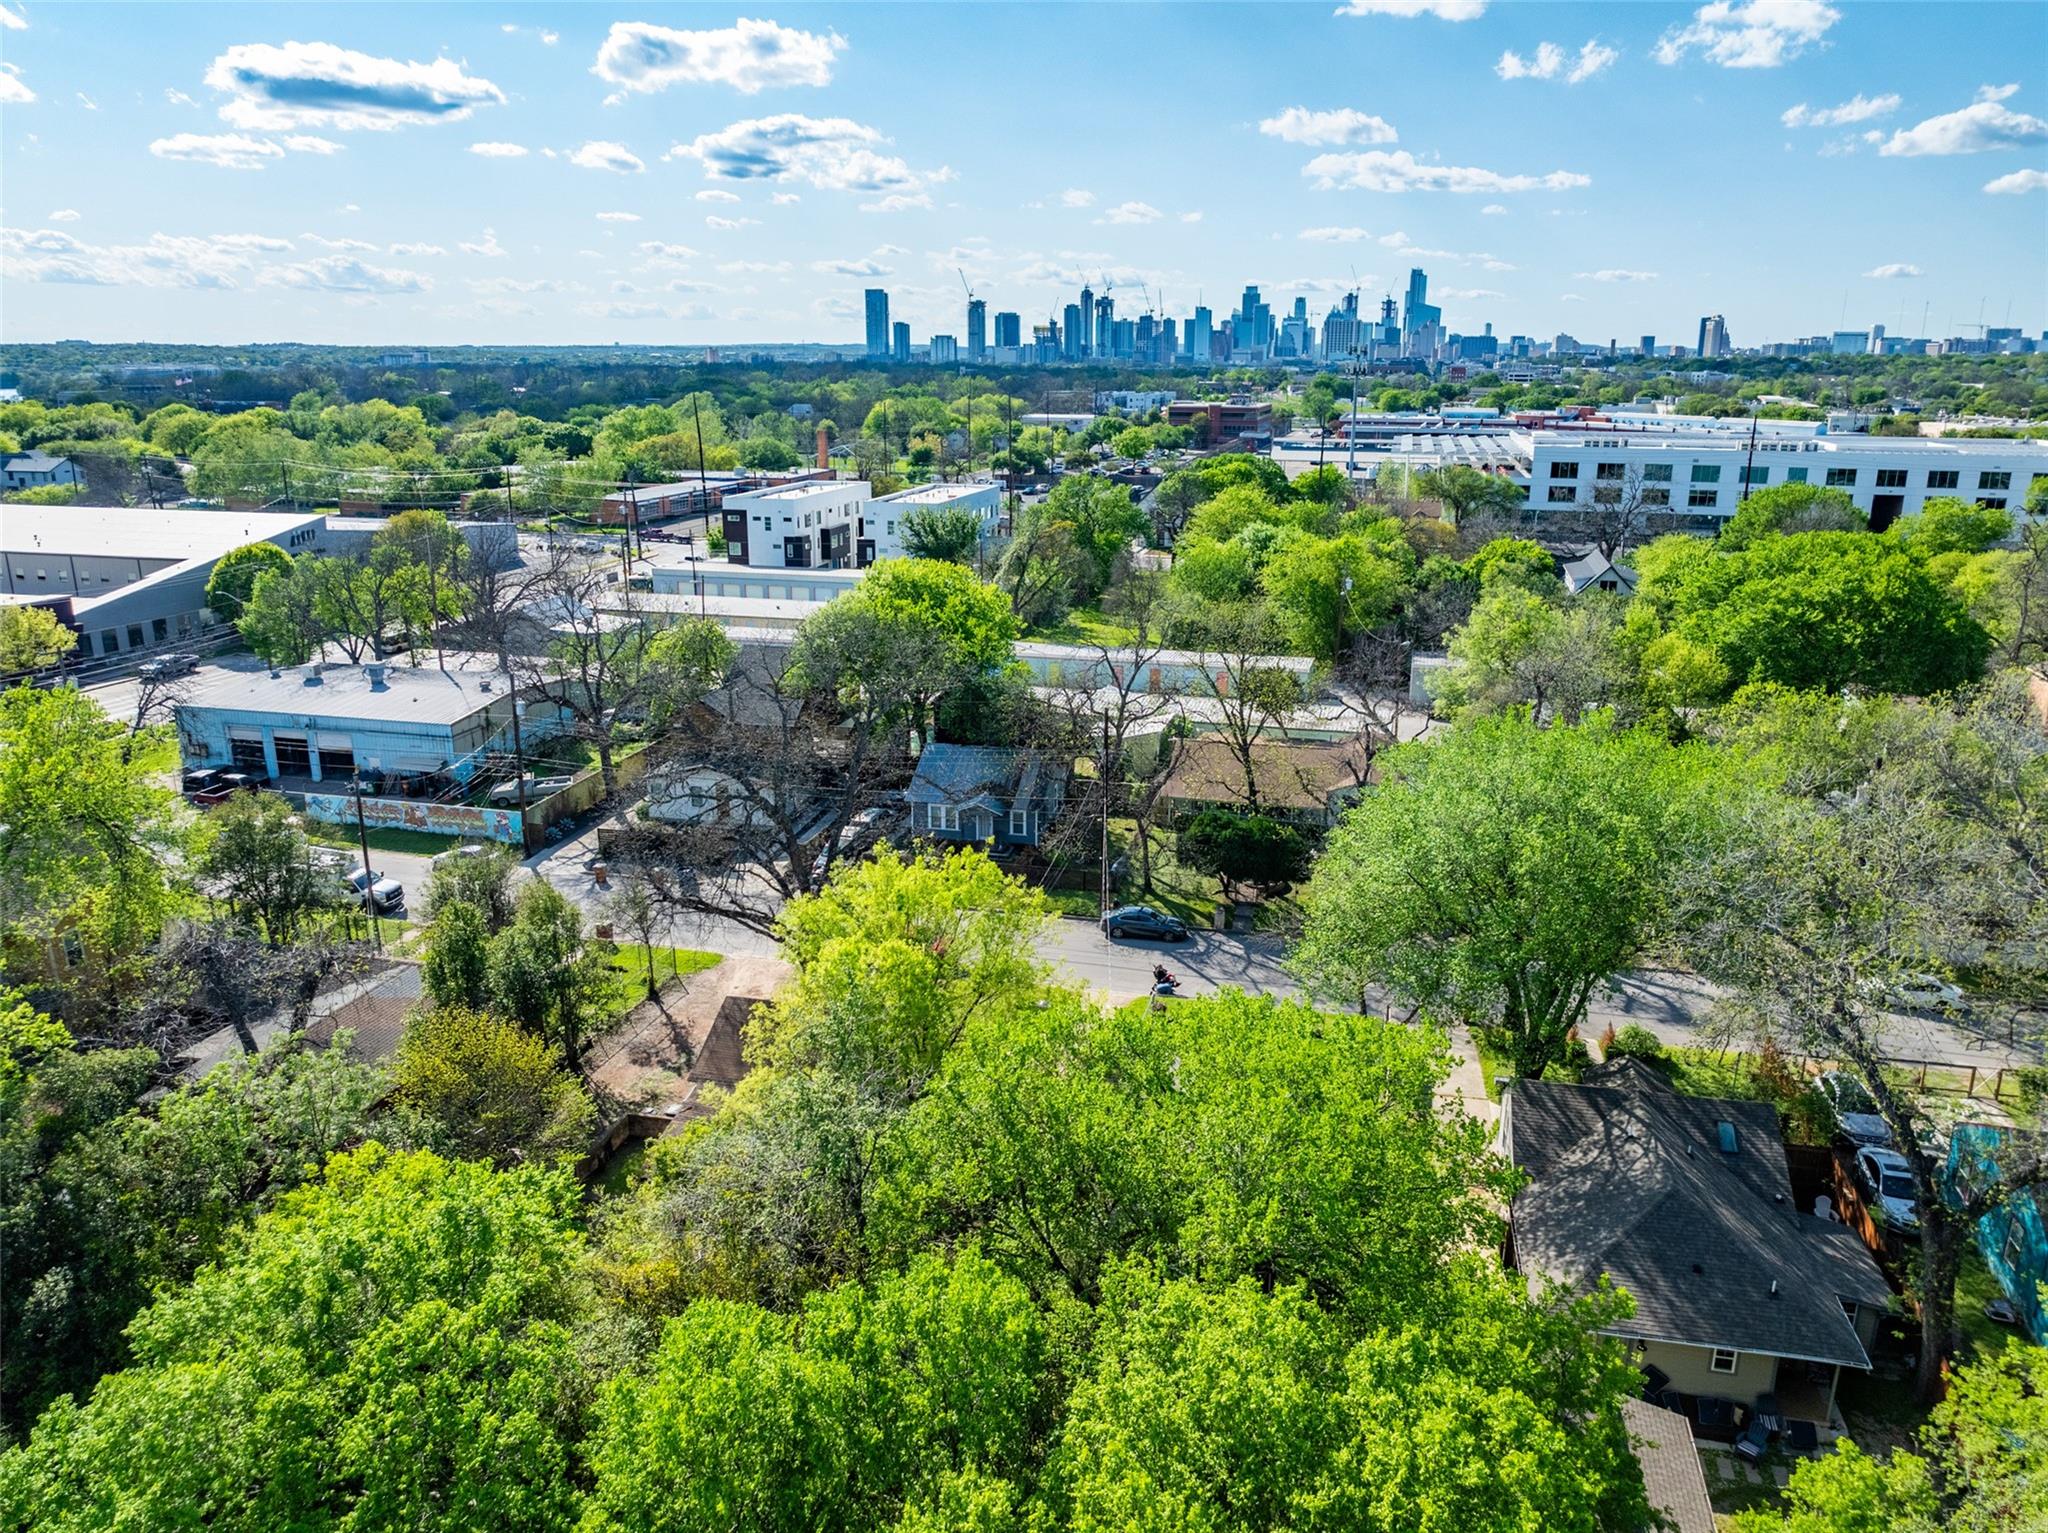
point(1686, 1203)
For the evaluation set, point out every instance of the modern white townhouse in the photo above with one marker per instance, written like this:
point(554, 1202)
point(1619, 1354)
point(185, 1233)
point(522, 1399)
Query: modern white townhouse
point(812, 524)
point(885, 513)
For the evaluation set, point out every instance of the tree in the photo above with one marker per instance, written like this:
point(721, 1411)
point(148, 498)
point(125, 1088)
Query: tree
point(1516, 649)
point(1243, 849)
point(32, 638)
point(235, 574)
point(455, 969)
point(765, 452)
point(259, 861)
point(633, 907)
point(945, 532)
point(1946, 525)
point(1789, 508)
point(1499, 874)
point(1469, 495)
point(1104, 519)
point(544, 975)
point(283, 620)
point(477, 1088)
point(1043, 568)
point(1819, 611)
point(91, 837)
point(405, 1300)
point(482, 879)
point(1249, 693)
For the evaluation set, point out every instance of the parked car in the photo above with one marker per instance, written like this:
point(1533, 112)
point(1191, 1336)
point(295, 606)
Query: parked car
point(386, 893)
point(537, 788)
point(1927, 992)
point(164, 667)
point(202, 779)
point(1144, 921)
point(456, 853)
point(1887, 1182)
point(1855, 1113)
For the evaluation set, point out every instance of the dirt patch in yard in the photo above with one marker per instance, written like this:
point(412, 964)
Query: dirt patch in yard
point(665, 1050)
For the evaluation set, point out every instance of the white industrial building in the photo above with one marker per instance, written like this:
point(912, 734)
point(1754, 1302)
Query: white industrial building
point(808, 525)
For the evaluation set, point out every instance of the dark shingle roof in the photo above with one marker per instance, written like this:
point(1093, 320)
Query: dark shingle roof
point(996, 777)
point(1628, 1179)
point(1671, 1465)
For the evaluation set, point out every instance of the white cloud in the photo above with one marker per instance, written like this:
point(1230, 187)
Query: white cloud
point(715, 194)
point(64, 216)
point(749, 56)
point(496, 149)
point(14, 90)
point(230, 151)
point(785, 199)
point(852, 268)
point(1617, 274)
point(1894, 269)
point(1751, 34)
point(618, 218)
point(1191, 218)
point(761, 268)
point(488, 246)
point(1550, 61)
point(1131, 213)
point(319, 85)
point(2019, 181)
point(664, 251)
point(603, 154)
point(831, 153)
point(1569, 298)
point(1380, 170)
point(410, 249)
point(1469, 293)
point(1494, 208)
point(1984, 124)
point(713, 221)
point(1344, 125)
point(897, 202)
point(12, 21)
point(341, 244)
point(1443, 10)
point(345, 274)
point(87, 102)
point(891, 250)
point(1858, 108)
point(303, 143)
point(221, 261)
point(1332, 234)
point(178, 97)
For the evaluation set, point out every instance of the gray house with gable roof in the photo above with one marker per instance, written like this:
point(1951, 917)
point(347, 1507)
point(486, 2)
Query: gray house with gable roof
point(1686, 1202)
point(986, 793)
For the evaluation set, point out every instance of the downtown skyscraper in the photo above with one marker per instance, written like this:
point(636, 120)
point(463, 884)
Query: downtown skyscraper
point(878, 322)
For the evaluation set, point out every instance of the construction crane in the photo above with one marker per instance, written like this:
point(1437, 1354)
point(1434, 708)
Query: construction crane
point(963, 284)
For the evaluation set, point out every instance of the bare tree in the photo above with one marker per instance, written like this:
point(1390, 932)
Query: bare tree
point(1244, 690)
point(1369, 682)
point(1618, 517)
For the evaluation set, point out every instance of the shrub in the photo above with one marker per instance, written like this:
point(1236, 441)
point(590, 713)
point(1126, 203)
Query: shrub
point(1635, 1042)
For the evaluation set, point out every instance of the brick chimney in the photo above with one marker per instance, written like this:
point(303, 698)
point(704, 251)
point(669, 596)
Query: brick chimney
point(824, 450)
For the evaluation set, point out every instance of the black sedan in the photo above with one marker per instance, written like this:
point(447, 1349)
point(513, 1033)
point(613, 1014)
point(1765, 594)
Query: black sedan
point(1144, 921)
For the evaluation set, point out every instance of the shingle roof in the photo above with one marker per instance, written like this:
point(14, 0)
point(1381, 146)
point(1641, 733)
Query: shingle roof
point(1292, 774)
point(33, 461)
point(1671, 1465)
point(995, 777)
point(1628, 1179)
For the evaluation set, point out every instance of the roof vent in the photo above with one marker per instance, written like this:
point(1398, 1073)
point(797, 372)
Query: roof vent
point(1698, 1270)
point(375, 675)
point(1724, 1131)
point(312, 678)
point(484, 685)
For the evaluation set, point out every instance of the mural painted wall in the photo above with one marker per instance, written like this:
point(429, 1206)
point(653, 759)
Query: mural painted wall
point(420, 814)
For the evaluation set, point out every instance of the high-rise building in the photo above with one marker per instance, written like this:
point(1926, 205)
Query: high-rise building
point(1422, 322)
point(945, 350)
point(1649, 346)
point(1713, 336)
point(1082, 346)
point(1009, 329)
point(977, 330)
point(1196, 342)
point(878, 322)
point(1105, 323)
point(1850, 343)
point(1073, 333)
point(900, 349)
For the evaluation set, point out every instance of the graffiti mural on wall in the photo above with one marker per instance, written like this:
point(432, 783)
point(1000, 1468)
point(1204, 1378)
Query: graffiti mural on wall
point(417, 814)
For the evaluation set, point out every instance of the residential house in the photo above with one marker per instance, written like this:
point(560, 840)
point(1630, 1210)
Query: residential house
point(1677, 1487)
point(2013, 1238)
point(1308, 782)
point(1596, 572)
point(984, 793)
point(1686, 1203)
point(33, 469)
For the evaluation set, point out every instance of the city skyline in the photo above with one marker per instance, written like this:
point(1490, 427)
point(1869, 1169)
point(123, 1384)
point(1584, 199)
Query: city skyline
point(548, 175)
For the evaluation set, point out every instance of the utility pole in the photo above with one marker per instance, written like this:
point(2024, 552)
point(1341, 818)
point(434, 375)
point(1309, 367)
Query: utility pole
point(369, 873)
point(1749, 462)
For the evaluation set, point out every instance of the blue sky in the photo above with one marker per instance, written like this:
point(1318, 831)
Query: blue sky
point(502, 173)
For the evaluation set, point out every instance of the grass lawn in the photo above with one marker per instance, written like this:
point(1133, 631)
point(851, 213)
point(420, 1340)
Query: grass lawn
point(418, 843)
point(617, 1180)
point(1084, 625)
point(630, 961)
point(1491, 1061)
point(1074, 902)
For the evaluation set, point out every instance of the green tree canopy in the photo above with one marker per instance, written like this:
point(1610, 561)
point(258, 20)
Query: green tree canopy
point(1790, 508)
point(32, 638)
point(234, 578)
point(475, 1087)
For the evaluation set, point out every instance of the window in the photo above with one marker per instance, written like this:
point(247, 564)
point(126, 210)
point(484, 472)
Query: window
point(1656, 473)
point(2014, 1245)
point(1706, 473)
point(1942, 479)
point(1020, 822)
point(74, 950)
point(160, 629)
point(1795, 475)
point(1991, 481)
point(1891, 479)
point(1724, 1360)
point(1656, 495)
point(1754, 475)
point(135, 636)
point(1563, 494)
point(110, 642)
point(1841, 478)
point(943, 816)
point(1697, 498)
point(1606, 494)
point(1564, 471)
point(1849, 1309)
point(1991, 502)
point(1614, 471)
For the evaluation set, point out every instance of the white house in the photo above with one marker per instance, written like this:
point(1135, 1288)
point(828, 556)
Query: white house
point(34, 469)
